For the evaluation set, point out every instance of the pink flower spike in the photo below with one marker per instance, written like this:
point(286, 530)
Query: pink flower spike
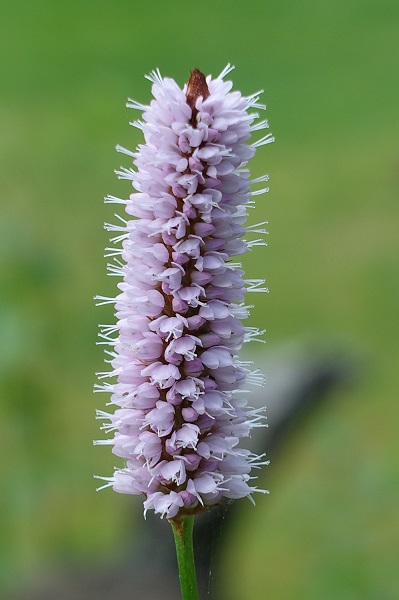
point(179, 415)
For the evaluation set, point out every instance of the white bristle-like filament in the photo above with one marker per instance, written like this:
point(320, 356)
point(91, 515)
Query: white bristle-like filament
point(254, 423)
point(104, 300)
point(228, 68)
point(107, 388)
point(253, 102)
point(107, 374)
point(115, 270)
point(124, 173)
point(119, 238)
point(260, 192)
point(257, 242)
point(259, 126)
point(110, 482)
point(155, 76)
point(241, 311)
point(114, 200)
point(255, 460)
point(256, 378)
point(257, 228)
point(256, 95)
point(252, 334)
point(244, 364)
point(109, 341)
point(256, 412)
point(120, 218)
point(108, 328)
point(101, 414)
point(260, 179)
point(112, 227)
point(138, 124)
point(106, 427)
point(112, 252)
point(266, 139)
point(255, 285)
point(254, 115)
point(123, 150)
point(136, 105)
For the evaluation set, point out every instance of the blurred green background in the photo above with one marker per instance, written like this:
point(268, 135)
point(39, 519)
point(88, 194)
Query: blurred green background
point(330, 528)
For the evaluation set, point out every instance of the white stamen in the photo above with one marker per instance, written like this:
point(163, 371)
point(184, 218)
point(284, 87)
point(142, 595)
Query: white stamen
point(112, 252)
point(259, 126)
point(138, 124)
point(104, 300)
point(253, 102)
point(126, 173)
point(257, 228)
point(119, 238)
point(135, 105)
point(110, 482)
point(111, 227)
point(113, 270)
point(258, 242)
point(106, 374)
point(105, 387)
point(253, 333)
point(155, 76)
point(254, 285)
point(108, 340)
point(266, 139)
point(228, 69)
point(114, 200)
point(256, 378)
point(260, 192)
point(259, 179)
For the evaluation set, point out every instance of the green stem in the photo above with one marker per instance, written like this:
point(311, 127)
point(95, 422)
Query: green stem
point(183, 533)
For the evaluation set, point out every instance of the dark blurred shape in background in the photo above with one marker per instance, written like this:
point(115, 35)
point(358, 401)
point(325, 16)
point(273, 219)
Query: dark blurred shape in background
point(330, 527)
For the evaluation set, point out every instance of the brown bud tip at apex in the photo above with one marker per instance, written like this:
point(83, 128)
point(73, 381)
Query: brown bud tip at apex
point(196, 87)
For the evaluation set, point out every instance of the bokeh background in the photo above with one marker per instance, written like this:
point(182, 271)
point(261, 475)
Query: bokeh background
point(330, 527)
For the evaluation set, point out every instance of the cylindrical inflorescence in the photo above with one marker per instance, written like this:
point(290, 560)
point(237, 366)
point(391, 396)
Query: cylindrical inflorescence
point(180, 414)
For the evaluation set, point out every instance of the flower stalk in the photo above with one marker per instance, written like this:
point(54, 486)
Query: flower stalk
point(183, 534)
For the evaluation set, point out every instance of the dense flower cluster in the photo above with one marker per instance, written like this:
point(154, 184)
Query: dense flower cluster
point(180, 412)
